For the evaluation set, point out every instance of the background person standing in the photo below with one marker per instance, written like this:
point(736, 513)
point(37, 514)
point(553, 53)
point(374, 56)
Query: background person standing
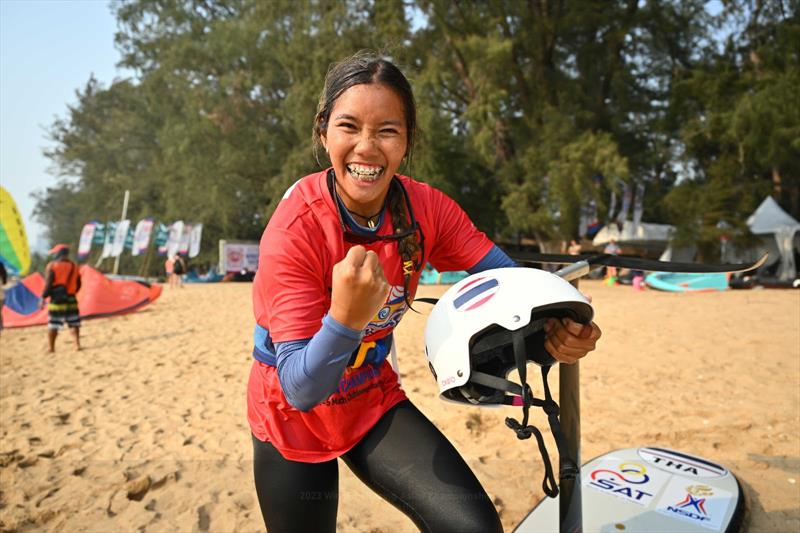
point(62, 283)
point(178, 270)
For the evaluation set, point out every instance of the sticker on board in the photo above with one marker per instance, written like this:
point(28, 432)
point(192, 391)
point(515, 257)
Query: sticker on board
point(680, 463)
point(692, 501)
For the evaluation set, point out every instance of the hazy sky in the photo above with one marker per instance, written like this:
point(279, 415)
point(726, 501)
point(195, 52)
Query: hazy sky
point(48, 50)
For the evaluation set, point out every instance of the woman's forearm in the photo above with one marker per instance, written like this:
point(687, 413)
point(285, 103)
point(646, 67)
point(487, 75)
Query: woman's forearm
point(310, 370)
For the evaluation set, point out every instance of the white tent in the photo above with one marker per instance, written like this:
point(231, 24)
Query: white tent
point(770, 219)
point(644, 233)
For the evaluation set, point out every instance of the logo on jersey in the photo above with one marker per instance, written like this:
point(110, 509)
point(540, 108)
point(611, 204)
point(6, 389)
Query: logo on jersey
point(390, 314)
point(475, 293)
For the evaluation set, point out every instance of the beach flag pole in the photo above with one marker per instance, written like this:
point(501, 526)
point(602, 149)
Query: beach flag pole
point(124, 213)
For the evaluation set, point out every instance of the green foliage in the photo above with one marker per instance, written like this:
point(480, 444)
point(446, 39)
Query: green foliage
point(521, 105)
point(741, 127)
point(572, 171)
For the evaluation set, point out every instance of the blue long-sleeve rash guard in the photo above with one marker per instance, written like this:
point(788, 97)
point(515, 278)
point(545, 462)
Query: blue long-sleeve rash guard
point(494, 258)
point(310, 369)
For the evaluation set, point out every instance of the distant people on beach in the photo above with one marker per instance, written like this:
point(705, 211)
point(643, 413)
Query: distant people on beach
point(574, 247)
point(62, 283)
point(611, 272)
point(168, 265)
point(179, 269)
point(339, 264)
point(612, 247)
point(175, 267)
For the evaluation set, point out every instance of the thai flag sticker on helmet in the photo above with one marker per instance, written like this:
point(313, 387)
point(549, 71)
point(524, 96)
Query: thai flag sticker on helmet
point(475, 293)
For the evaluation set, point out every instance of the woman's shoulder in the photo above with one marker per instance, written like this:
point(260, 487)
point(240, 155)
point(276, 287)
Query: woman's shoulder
point(419, 190)
point(304, 197)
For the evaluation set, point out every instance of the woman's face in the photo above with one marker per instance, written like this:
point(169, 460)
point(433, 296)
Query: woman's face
point(366, 141)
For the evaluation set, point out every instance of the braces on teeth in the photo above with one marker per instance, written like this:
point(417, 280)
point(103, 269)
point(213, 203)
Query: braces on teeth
point(364, 172)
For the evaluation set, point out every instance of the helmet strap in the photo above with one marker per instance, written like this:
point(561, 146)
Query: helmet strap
point(524, 431)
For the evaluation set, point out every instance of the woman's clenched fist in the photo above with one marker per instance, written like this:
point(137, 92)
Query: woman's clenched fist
point(359, 288)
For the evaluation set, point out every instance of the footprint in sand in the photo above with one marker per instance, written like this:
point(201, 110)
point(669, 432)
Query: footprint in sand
point(203, 518)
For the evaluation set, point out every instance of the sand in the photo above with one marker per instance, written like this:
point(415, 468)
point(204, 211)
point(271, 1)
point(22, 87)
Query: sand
point(145, 429)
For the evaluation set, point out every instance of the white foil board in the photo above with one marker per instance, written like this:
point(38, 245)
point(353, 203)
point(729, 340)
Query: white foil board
point(649, 489)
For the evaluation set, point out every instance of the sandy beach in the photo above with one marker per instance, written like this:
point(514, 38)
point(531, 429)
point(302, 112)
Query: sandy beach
point(145, 429)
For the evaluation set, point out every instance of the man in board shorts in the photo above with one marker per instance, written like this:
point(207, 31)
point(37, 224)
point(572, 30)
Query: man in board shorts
point(62, 282)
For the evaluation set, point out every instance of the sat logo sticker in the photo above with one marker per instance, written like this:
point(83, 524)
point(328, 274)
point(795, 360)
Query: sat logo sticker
point(631, 481)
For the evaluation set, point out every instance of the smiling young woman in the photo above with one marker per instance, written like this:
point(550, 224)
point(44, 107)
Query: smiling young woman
point(340, 261)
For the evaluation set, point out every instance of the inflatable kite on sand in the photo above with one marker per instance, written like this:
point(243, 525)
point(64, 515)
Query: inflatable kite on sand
point(14, 251)
point(98, 297)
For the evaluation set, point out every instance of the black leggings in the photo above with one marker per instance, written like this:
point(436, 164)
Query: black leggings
point(404, 458)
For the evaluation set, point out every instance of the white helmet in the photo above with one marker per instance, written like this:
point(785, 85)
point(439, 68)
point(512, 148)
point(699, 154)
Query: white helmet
point(471, 332)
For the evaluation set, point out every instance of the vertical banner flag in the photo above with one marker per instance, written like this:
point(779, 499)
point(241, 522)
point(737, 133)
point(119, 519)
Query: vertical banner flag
point(626, 204)
point(194, 240)
point(174, 237)
point(129, 238)
point(108, 240)
point(588, 223)
point(141, 237)
point(99, 233)
point(638, 204)
point(162, 233)
point(183, 247)
point(593, 224)
point(85, 243)
point(612, 205)
point(120, 234)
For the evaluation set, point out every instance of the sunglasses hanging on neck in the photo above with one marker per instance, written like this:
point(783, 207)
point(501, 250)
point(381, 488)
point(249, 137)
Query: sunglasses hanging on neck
point(358, 238)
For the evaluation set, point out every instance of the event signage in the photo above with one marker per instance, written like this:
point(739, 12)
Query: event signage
point(174, 237)
point(627, 192)
point(238, 257)
point(99, 233)
point(141, 237)
point(129, 239)
point(120, 234)
point(194, 240)
point(117, 236)
point(183, 246)
point(638, 204)
point(85, 242)
point(108, 242)
point(162, 234)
